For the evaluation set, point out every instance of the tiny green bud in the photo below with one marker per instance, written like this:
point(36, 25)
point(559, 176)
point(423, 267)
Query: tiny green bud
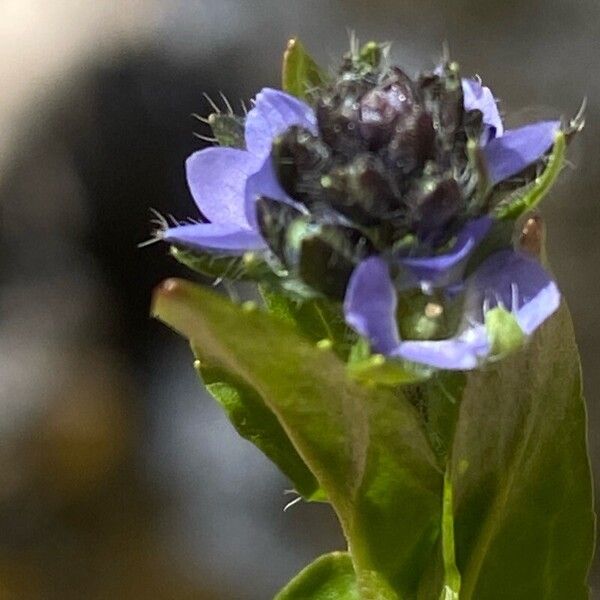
point(249, 306)
point(504, 332)
point(324, 344)
point(371, 54)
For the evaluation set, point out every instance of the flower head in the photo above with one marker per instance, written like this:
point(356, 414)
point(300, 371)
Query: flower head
point(392, 195)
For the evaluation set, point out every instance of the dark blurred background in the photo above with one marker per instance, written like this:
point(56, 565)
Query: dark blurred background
point(119, 477)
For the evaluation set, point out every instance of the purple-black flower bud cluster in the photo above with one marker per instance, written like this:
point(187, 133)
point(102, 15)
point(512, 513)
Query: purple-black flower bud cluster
point(387, 167)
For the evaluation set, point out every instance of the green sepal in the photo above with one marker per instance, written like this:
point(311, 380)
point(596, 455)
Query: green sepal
point(528, 198)
point(504, 332)
point(371, 54)
point(228, 130)
point(256, 423)
point(249, 266)
point(300, 73)
point(330, 577)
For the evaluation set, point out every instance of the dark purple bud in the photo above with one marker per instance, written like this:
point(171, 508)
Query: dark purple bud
point(412, 143)
point(299, 157)
point(322, 255)
point(329, 255)
point(386, 107)
point(360, 190)
point(338, 115)
point(434, 203)
point(473, 124)
point(442, 98)
point(274, 219)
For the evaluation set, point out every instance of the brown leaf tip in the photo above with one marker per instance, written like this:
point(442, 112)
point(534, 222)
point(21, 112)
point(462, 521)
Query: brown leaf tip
point(532, 235)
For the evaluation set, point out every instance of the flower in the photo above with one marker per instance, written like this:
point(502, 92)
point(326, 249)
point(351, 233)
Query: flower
point(221, 179)
point(508, 279)
point(380, 193)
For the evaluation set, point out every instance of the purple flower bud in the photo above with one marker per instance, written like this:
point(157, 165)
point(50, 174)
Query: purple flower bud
point(434, 203)
point(385, 108)
point(361, 190)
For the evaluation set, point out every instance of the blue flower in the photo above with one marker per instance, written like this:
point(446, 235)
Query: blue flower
point(506, 152)
point(376, 171)
point(508, 279)
point(225, 182)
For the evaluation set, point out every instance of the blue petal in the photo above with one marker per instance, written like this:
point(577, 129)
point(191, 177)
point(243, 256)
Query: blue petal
point(370, 309)
point(518, 148)
point(370, 304)
point(228, 239)
point(479, 97)
point(217, 179)
point(518, 283)
point(511, 279)
point(445, 269)
point(274, 112)
point(265, 183)
point(462, 352)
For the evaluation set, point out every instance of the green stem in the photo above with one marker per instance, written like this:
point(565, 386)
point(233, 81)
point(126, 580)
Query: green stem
point(451, 589)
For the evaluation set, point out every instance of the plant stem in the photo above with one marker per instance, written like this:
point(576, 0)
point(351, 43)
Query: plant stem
point(451, 589)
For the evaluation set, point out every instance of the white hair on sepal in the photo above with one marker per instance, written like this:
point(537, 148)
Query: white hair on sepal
point(228, 106)
point(292, 502)
point(161, 223)
point(200, 118)
point(205, 138)
point(212, 103)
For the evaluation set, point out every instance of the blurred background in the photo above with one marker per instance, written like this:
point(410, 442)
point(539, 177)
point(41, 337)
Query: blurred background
point(119, 478)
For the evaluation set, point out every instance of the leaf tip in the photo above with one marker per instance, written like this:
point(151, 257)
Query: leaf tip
point(292, 44)
point(168, 295)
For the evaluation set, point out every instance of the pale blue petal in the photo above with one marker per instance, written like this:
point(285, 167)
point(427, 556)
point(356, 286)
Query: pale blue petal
point(264, 183)
point(480, 97)
point(446, 269)
point(228, 239)
point(462, 352)
point(518, 283)
point(273, 113)
point(370, 304)
point(508, 155)
point(217, 180)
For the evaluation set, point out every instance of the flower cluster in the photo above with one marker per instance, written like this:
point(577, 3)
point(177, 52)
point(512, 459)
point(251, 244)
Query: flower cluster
point(393, 196)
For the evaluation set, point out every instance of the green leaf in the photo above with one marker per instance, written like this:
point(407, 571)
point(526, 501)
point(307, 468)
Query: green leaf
point(319, 319)
point(256, 423)
point(376, 369)
point(366, 446)
point(330, 577)
point(524, 521)
point(540, 187)
point(300, 72)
